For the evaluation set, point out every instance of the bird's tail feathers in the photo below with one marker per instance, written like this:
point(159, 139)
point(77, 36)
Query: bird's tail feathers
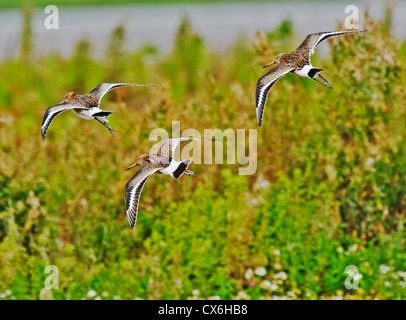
point(181, 169)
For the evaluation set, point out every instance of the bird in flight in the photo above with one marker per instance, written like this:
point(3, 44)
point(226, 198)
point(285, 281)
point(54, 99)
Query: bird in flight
point(297, 62)
point(161, 161)
point(85, 106)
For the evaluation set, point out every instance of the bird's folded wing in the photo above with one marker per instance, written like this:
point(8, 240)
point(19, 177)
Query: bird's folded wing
point(133, 190)
point(265, 84)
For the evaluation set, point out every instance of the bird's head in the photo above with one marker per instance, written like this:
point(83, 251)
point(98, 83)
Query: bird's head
point(141, 159)
point(69, 96)
point(276, 60)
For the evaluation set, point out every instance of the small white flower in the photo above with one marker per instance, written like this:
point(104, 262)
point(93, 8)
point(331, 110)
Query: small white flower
point(242, 295)
point(277, 266)
point(402, 274)
point(280, 275)
point(215, 298)
point(248, 274)
point(260, 271)
point(274, 286)
point(340, 249)
point(91, 293)
point(276, 252)
point(98, 298)
point(383, 269)
point(387, 284)
point(195, 292)
point(261, 183)
point(369, 162)
point(266, 284)
point(402, 284)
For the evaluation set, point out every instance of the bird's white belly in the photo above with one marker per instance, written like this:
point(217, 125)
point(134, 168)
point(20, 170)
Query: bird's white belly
point(304, 71)
point(171, 168)
point(84, 113)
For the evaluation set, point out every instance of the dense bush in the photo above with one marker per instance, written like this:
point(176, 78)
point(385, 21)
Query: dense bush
point(329, 190)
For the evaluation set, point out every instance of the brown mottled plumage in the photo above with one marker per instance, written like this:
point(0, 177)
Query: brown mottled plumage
point(162, 162)
point(297, 62)
point(85, 106)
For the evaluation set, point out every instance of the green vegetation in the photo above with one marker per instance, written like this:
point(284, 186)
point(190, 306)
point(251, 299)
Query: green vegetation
point(329, 191)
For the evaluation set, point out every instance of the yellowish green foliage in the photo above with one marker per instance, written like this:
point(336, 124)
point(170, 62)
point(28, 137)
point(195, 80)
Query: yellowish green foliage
point(329, 190)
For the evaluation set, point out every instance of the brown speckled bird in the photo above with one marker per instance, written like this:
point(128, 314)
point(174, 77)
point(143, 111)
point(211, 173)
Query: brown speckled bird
point(162, 162)
point(297, 62)
point(85, 106)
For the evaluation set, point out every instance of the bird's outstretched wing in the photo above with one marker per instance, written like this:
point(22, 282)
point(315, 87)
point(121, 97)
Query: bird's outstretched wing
point(313, 39)
point(265, 84)
point(133, 190)
point(52, 112)
point(103, 88)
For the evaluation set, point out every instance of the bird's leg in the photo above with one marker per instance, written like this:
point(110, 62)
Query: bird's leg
point(190, 173)
point(325, 82)
point(104, 123)
point(317, 81)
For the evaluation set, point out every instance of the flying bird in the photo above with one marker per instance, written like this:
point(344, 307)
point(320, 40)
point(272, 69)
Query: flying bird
point(85, 106)
point(162, 162)
point(297, 62)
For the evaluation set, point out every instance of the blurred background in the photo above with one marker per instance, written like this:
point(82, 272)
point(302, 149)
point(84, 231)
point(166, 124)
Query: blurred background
point(328, 193)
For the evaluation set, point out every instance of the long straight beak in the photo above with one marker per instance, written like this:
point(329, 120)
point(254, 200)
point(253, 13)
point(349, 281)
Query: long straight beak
point(269, 64)
point(132, 166)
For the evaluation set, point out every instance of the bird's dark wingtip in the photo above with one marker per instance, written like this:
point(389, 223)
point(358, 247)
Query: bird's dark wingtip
point(259, 119)
point(259, 122)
